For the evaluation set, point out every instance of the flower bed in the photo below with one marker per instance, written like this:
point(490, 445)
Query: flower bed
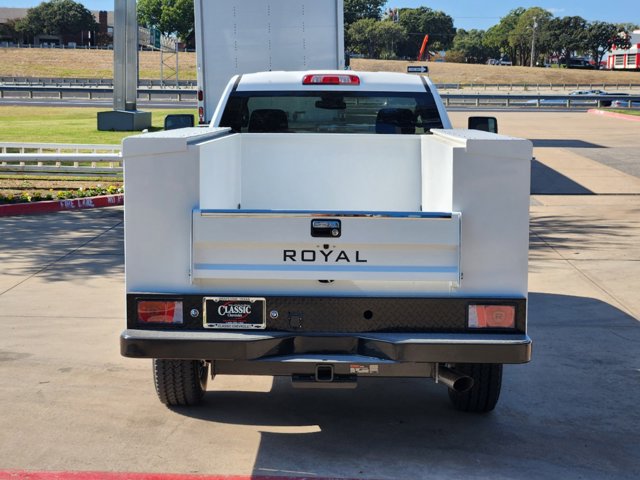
point(38, 196)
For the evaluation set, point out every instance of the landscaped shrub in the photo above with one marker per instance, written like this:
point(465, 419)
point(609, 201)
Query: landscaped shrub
point(26, 197)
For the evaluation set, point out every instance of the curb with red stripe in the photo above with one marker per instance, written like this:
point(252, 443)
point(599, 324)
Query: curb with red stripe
point(623, 116)
point(50, 206)
point(28, 475)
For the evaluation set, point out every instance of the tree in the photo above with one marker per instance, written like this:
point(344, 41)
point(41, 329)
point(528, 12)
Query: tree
point(522, 34)
point(566, 35)
point(455, 56)
point(150, 13)
point(355, 10)
point(389, 35)
point(602, 36)
point(169, 16)
point(421, 21)
point(10, 29)
point(628, 26)
point(374, 38)
point(179, 15)
point(361, 37)
point(58, 17)
point(497, 37)
point(470, 48)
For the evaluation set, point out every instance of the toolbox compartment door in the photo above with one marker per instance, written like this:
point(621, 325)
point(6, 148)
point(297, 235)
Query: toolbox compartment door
point(367, 246)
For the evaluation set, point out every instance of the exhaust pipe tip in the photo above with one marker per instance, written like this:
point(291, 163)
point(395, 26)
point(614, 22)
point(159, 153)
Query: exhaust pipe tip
point(456, 381)
point(462, 384)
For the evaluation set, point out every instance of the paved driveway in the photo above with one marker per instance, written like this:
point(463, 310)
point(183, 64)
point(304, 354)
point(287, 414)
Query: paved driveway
point(69, 402)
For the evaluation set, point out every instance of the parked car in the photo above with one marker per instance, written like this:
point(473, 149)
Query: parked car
point(576, 62)
point(606, 103)
point(580, 93)
point(504, 61)
point(624, 104)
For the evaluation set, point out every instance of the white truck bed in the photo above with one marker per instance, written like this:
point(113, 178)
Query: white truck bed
point(429, 215)
point(327, 258)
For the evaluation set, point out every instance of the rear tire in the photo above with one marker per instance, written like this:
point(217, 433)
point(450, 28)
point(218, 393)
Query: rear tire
point(180, 382)
point(483, 396)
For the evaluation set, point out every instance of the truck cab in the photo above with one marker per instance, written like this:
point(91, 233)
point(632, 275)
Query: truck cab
point(331, 102)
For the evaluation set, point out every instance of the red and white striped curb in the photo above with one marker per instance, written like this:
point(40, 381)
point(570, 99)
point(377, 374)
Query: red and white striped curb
point(50, 206)
point(28, 475)
point(623, 116)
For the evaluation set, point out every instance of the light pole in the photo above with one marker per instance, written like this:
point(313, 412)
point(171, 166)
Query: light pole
point(533, 41)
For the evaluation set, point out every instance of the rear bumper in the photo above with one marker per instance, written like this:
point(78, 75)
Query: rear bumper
point(270, 346)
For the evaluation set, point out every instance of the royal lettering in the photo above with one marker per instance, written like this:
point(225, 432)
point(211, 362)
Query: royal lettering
point(323, 256)
point(326, 255)
point(308, 255)
point(342, 256)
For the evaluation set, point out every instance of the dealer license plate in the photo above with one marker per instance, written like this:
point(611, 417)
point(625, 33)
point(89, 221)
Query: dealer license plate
point(240, 313)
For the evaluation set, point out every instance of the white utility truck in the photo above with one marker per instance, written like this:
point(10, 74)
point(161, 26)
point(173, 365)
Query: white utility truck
point(243, 36)
point(328, 226)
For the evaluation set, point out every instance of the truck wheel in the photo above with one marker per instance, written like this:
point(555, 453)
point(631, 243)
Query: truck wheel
point(180, 382)
point(483, 396)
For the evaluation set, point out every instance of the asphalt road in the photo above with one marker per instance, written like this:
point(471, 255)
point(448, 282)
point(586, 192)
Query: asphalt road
point(69, 402)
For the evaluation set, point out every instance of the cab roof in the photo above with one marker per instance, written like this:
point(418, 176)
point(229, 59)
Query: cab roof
point(369, 81)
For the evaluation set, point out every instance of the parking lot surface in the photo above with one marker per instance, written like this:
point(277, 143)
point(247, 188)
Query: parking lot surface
point(70, 403)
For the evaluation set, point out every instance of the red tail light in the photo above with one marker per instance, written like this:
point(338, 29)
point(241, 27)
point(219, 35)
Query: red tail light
point(153, 311)
point(492, 316)
point(200, 95)
point(201, 114)
point(331, 79)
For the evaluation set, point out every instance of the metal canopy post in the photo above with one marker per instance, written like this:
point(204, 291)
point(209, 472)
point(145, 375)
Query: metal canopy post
point(125, 55)
point(125, 115)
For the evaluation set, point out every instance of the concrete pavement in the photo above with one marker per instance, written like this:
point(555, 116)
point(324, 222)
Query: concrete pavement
point(576, 153)
point(69, 402)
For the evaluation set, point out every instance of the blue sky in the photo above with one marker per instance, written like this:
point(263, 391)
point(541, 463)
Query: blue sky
point(468, 14)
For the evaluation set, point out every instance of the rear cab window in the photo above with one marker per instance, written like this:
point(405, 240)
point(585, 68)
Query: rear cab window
point(331, 112)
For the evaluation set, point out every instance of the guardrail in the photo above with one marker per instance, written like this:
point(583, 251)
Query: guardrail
point(524, 87)
point(188, 95)
point(537, 86)
point(60, 159)
point(91, 93)
point(21, 147)
point(538, 101)
point(85, 82)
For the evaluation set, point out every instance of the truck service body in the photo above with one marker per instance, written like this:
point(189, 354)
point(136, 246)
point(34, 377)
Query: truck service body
point(328, 225)
point(243, 36)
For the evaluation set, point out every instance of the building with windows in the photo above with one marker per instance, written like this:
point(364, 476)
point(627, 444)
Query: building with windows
point(9, 37)
point(628, 59)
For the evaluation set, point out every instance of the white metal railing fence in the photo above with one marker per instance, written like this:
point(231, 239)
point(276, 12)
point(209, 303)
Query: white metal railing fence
point(60, 159)
point(21, 147)
point(15, 92)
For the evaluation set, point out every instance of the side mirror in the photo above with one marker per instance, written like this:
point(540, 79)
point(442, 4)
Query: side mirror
point(178, 120)
point(486, 124)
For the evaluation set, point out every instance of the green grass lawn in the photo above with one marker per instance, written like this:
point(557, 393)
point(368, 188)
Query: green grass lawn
point(625, 111)
point(65, 125)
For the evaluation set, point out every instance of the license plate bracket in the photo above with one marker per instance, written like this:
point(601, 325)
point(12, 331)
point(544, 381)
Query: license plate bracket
point(236, 313)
